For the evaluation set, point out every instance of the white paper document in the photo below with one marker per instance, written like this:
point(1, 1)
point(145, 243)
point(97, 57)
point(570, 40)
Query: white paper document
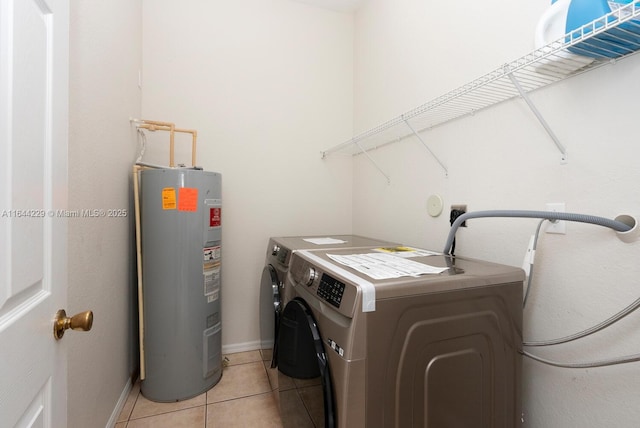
point(385, 266)
point(324, 241)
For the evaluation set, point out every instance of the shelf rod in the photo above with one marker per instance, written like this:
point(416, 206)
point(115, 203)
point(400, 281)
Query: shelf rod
point(372, 161)
point(446, 172)
point(536, 112)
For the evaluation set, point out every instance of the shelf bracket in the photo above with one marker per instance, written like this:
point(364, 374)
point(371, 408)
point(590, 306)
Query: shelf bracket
point(446, 172)
point(536, 112)
point(372, 161)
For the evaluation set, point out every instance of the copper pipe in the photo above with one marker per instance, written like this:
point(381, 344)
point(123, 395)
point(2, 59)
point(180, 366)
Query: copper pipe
point(194, 136)
point(153, 126)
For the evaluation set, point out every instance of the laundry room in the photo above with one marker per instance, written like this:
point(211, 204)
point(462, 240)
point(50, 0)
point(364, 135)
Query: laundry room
point(278, 89)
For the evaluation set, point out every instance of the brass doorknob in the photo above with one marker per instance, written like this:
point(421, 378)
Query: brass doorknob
point(82, 321)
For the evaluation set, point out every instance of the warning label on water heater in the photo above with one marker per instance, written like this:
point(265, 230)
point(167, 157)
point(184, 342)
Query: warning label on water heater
point(188, 199)
point(211, 272)
point(212, 283)
point(215, 217)
point(211, 256)
point(168, 198)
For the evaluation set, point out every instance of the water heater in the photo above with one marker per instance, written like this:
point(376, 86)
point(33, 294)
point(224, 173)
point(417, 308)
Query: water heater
point(181, 232)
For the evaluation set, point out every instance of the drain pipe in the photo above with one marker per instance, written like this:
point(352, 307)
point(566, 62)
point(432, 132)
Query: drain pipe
point(623, 224)
point(136, 200)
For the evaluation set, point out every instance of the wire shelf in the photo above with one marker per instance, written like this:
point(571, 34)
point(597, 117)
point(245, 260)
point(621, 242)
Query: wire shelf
point(607, 39)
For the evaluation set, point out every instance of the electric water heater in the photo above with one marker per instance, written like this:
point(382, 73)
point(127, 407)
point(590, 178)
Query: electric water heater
point(181, 263)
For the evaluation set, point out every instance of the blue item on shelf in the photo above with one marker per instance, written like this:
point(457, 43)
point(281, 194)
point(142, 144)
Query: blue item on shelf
point(615, 42)
point(550, 28)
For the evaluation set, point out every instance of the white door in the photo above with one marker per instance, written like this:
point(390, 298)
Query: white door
point(34, 46)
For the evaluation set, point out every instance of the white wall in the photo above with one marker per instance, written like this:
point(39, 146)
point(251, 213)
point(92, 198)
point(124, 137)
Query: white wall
point(105, 55)
point(267, 85)
point(408, 52)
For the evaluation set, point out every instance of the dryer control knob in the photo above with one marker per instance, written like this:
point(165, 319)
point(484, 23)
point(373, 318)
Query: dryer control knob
point(275, 250)
point(310, 276)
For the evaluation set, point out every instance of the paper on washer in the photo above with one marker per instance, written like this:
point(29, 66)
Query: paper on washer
point(324, 241)
point(385, 266)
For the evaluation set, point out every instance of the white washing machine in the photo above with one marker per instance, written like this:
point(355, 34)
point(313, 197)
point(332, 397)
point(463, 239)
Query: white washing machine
point(272, 292)
point(432, 350)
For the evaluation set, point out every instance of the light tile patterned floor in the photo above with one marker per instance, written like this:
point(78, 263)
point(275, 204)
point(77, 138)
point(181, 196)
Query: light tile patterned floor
point(242, 398)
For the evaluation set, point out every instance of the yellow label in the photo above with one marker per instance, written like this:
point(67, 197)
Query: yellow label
point(168, 198)
point(396, 249)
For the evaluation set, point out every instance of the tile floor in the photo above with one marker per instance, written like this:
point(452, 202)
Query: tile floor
point(242, 398)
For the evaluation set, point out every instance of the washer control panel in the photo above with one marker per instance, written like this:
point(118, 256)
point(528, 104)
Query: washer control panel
point(326, 287)
point(331, 290)
point(282, 255)
point(279, 253)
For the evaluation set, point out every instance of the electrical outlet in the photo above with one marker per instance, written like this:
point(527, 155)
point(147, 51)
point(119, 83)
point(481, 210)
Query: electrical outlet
point(457, 211)
point(557, 226)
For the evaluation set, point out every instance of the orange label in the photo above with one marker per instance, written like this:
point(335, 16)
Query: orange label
point(168, 198)
point(188, 199)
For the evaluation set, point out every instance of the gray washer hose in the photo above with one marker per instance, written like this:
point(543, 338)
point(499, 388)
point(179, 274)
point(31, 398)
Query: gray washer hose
point(549, 215)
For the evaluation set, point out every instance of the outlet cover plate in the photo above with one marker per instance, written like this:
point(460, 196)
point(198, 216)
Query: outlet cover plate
point(559, 226)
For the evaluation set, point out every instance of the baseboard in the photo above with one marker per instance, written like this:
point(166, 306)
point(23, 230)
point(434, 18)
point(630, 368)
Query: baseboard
point(120, 404)
point(241, 347)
